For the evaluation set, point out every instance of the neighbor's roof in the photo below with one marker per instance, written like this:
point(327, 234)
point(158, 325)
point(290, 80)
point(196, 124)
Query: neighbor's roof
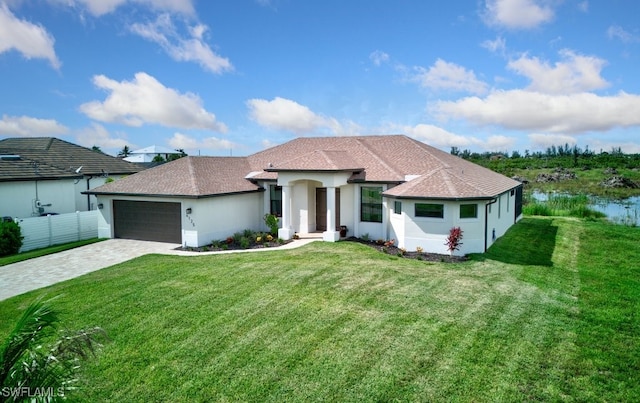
point(51, 158)
point(186, 177)
point(155, 150)
point(394, 159)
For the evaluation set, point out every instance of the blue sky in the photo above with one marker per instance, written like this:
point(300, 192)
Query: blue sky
point(235, 77)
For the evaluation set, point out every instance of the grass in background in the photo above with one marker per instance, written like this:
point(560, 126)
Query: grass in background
point(549, 313)
point(562, 205)
point(4, 260)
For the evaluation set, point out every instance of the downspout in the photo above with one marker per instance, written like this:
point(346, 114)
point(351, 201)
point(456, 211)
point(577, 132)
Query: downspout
point(486, 221)
point(89, 196)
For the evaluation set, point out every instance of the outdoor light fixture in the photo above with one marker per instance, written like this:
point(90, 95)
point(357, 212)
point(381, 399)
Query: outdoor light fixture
point(100, 206)
point(189, 210)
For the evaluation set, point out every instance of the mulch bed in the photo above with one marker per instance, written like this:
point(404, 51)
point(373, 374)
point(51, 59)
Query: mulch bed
point(394, 250)
point(380, 246)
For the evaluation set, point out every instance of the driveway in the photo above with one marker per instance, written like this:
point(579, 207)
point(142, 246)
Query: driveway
point(43, 271)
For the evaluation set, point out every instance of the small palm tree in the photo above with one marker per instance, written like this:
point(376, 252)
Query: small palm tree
point(25, 365)
point(125, 152)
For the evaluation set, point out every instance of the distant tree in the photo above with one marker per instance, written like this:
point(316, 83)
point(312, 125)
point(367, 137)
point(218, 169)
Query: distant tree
point(180, 154)
point(125, 152)
point(97, 149)
point(455, 151)
point(515, 154)
point(158, 158)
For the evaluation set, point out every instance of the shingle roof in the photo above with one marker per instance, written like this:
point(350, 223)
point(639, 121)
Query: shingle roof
point(186, 177)
point(52, 158)
point(380, 159)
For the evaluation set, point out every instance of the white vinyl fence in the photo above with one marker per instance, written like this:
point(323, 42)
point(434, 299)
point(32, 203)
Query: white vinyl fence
point(40, 232)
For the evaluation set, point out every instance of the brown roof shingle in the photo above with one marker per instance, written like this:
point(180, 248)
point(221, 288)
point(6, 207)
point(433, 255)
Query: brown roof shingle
point(55, 158)
point(419, 170)
point(186, 177)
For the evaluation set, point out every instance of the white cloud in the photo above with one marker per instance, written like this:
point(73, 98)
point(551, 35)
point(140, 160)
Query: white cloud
point(575, 73)
point(31, 40)
point(99, 8)
point(379, 57)
point(499, 45)
point(517, 14)
point(185, 142)
point(98, 135)
point(25, 126)
point(449, 76)
point(146, 100)
point(617, 32)
point(534, 111)
point(545, 140)
point(436, 136)
point(190, 49)
point(583, 6)
point(285, 114)
point(499, 143)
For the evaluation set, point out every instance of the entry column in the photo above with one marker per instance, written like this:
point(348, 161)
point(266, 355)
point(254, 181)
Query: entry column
point(331, 235)
point(286, 232)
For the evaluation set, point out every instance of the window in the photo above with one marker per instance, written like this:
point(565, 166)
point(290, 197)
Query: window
point(371, 204)
point(430, 210)
point(397, 207)
point(468, 211)
point(275, 194)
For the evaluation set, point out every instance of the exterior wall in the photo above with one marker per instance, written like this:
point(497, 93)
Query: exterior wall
point(17, 199)
point(501, 216)
point(216, 218)
point(430, 234)
point(372, 230)
point(211, 219)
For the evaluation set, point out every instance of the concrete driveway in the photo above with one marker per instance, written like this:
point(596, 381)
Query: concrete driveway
point(32, 274)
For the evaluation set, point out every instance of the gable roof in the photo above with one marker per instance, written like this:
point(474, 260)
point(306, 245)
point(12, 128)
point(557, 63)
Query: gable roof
point(154, 150)
point(52, 158)
point(418, 170)
point(186, 177)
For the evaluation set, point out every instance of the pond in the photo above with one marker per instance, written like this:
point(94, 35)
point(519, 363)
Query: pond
point(619, 211)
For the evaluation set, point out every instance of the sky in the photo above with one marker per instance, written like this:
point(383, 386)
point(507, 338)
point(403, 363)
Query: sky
point(233, 77)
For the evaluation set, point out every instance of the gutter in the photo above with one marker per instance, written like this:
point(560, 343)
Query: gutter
point(486, 221)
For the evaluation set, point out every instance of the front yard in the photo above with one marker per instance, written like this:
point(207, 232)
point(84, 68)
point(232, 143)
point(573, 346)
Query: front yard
point(550, 313)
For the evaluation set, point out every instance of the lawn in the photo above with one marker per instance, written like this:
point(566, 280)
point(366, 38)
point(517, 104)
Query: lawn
point(549, 313)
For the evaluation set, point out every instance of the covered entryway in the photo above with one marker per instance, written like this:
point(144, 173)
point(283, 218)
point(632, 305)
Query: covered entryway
point(147, 221)
point(321, 209)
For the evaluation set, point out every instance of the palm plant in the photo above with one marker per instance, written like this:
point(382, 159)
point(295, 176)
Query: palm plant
point(27, 366)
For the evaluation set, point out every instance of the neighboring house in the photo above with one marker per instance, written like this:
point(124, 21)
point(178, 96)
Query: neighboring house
point(148, 154)
point(381, 187)
point(41, 175)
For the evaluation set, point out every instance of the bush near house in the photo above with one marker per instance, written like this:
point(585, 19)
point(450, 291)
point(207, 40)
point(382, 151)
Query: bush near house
point(10, 238)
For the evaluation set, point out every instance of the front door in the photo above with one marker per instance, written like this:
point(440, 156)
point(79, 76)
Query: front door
point(321, 209)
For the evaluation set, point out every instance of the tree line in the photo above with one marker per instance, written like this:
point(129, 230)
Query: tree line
point(561, 156)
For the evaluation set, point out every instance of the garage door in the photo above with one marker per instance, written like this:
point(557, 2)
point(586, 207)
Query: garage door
point(147, 221)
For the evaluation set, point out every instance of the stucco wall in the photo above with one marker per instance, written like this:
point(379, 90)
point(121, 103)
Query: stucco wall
point(216, 218)
point(17, 198)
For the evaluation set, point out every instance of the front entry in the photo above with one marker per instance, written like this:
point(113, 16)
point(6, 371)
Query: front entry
point(321, 209)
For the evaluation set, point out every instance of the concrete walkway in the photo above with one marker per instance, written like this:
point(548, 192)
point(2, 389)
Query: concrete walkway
point(18, 278)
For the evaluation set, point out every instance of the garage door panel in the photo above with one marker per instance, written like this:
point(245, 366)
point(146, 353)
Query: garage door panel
point(148, 221)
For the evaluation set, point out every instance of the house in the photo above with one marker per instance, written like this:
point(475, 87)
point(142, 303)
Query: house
point(149, 154)
point(44, 175)
point(381, 187)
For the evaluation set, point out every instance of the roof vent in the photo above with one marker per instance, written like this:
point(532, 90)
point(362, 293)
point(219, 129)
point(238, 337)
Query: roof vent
point(10, 157)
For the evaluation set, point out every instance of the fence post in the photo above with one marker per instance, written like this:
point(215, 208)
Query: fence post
point(50, 230)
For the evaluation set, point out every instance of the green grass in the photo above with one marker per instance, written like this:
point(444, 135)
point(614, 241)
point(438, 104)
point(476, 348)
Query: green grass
point(4, 260)
point(549, 313)
point(563, 205)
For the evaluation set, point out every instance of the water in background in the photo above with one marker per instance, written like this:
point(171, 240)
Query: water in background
point(619, 211)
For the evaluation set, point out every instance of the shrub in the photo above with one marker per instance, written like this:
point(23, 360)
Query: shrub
point(10, 238)
point(453, 239)
point(245, 242)
point(272, 222)
point(248, 233)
